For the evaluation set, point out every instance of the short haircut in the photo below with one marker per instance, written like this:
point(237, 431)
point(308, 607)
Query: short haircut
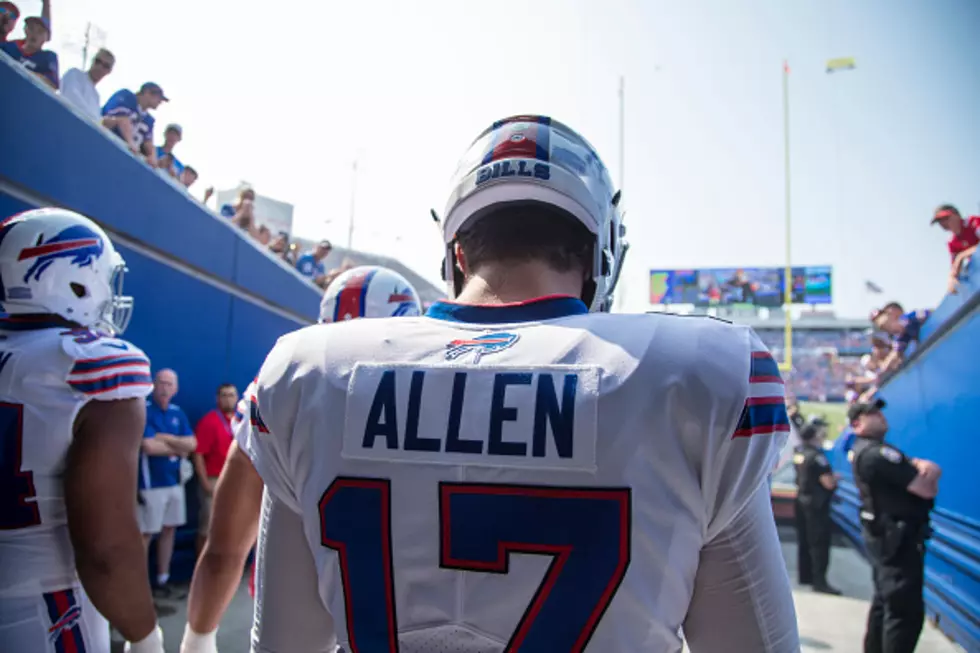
point(191, 170)
point(227, 385)
point(527, 231)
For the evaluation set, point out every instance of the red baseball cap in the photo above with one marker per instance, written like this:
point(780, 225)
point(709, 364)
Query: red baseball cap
point(944, 211)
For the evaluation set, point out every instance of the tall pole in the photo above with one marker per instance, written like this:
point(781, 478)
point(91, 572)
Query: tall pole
point(619, 297)
point(788, 273)
point(353, 199)
point(88, 29)
point(622, 131)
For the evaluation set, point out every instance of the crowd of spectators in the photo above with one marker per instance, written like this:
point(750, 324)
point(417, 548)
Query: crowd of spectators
point(129, 116)
point(852, 364)
point(823, 359)
point(897, 331)
point(311, 264)
point(126, 114)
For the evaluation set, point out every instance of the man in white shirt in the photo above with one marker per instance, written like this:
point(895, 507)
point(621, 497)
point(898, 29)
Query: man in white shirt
point(78, 86)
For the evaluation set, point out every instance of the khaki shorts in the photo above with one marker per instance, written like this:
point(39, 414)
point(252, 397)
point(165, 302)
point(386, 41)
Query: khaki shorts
point(204, 501)
point(162, 506)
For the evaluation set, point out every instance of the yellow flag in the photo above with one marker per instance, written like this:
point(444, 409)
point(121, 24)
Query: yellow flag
point(841, 63)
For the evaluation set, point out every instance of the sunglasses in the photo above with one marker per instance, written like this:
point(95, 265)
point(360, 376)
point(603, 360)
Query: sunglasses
point(6, 11)
point(105, 64)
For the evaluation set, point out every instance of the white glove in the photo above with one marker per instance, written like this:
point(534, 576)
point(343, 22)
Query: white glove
point(197, 643)
point(152, 643)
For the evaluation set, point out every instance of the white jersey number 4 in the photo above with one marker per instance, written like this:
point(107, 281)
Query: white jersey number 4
point(585, 530)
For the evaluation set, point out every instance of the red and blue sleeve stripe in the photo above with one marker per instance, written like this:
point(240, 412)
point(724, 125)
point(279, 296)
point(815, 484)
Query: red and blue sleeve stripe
point(762, 415)
point(65, 614)
point(256, 418)
point(763, 369)
point(94, 376)
point(764, 411)
point(110, 382)
point(106, 363)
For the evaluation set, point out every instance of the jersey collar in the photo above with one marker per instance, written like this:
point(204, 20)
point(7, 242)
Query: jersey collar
point(533, 310)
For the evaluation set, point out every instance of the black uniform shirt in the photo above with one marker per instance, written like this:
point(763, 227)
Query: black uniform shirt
point(886, 472)
point(811, 464)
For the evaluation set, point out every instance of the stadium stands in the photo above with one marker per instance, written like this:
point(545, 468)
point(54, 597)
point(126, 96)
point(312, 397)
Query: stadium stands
point(826, 350)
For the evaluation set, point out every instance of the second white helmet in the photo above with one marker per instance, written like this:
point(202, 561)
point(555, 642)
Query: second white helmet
point(59, 262)
point(369, 291)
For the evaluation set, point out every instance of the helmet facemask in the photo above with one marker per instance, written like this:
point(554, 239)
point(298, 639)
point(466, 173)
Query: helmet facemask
point(118, 310)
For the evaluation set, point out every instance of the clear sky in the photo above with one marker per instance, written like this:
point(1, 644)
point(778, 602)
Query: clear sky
point(287, 99)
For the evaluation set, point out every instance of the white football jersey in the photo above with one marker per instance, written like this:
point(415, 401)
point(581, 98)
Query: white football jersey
point(528, 477)
point(46, 376)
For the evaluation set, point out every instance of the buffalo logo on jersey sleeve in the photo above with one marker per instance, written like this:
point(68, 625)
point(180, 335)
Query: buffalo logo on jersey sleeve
point(490, 343)
point(78, 243)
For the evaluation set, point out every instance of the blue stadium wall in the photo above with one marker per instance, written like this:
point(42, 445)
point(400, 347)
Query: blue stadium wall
point(934, 411)
point(209, 303)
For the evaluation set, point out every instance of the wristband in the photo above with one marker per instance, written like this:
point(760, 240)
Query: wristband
point(152, 643)
point(198, 643)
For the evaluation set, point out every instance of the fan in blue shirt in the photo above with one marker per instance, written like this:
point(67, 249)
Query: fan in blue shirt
point(127, 115)
point(163, 471)
point(171, 136)
point(312, 263)
point(29, 54)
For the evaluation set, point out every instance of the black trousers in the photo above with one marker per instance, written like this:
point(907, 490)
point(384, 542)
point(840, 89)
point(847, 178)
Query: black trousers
point(813, 528)
point(898, 609)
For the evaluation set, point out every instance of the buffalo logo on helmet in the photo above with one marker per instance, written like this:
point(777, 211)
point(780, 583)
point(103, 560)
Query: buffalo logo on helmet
point(78, 243)
point(405, 300)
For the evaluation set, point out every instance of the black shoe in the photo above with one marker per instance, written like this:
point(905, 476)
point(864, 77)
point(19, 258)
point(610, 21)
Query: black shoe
point(804, 582)
point(165, 591)
point(169, 591)
point(824, 588)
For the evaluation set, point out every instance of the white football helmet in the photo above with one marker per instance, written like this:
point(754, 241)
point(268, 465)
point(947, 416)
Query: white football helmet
point(56, 261)
point(369, 291)
point(536, 159)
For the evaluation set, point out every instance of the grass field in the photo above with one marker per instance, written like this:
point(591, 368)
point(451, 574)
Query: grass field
point(835, 414)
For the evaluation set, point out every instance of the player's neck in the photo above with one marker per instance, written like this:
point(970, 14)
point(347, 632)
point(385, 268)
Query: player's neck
point(505, 283)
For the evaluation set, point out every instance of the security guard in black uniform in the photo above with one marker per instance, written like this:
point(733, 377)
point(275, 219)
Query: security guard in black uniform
point(815, 485)
point(897, 494)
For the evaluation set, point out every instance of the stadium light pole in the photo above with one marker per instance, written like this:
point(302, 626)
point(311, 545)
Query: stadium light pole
point(353, 198)
point(787, 363)
point(620, 296)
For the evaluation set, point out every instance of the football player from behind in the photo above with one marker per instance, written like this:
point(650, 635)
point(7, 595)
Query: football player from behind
point(72, 411)
point(367, 291)
point(517, 470)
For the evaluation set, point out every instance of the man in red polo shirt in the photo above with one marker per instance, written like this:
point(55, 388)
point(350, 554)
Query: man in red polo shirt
point(213, 439)
point(964, 235)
